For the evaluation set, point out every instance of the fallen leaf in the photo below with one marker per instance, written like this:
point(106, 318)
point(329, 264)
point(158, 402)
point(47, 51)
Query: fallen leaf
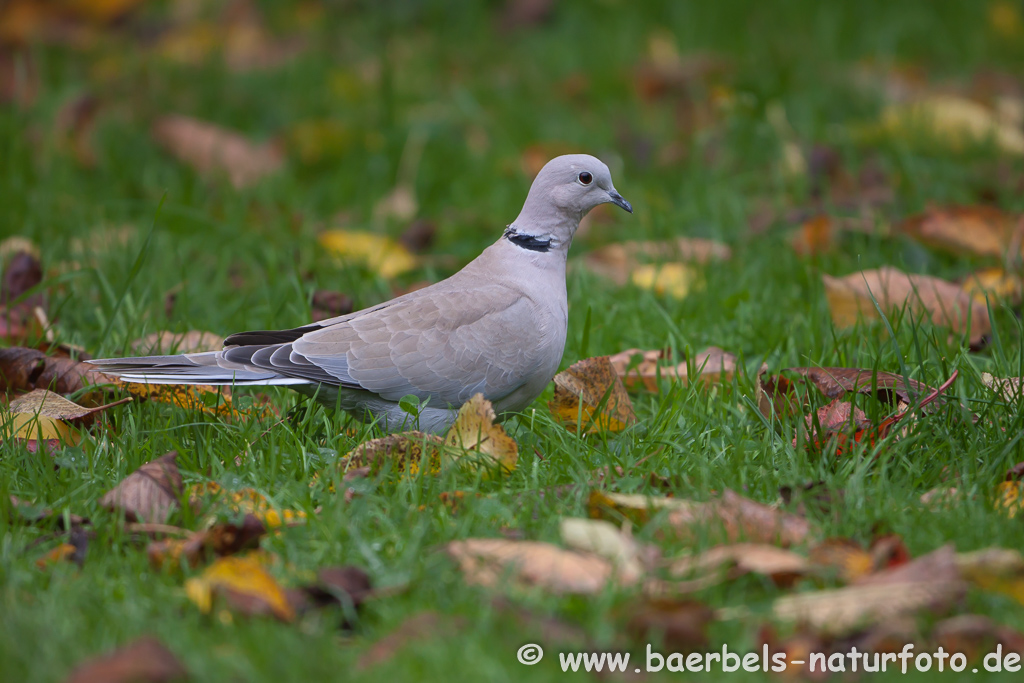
point(846, 556)
point(1008, 389)
point(150, 493)
point(952, 121)
point(680, 624)
point(213, 400)
point(994, 285)
point(975, 635)
point(243, 501)
point(712, 365)
point(378, 253)
point(674, 279)
point(618, 262)
point(589, 394)
point(474, 430)
point(35, 429)
point(24, 369)
point(21, 273)
point(327, 304)
point(494, 562)
point(836, 417)
point(213, 150)
point(55, 406)
point(144, 660)
point(404, 452)
point(421, 627)
point(945, 304)
point(1010, 498)
point(783, 566)
point(341, 585)
point(243, 582)
point(815, 236)
point(979, 230)
point(931, 582)
point(193, 341)
point(1000, 570)
point(604, 539)
point(736, 517)
point(221, 540)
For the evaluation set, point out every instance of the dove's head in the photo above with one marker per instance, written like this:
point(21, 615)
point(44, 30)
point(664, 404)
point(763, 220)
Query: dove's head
point(562, 193)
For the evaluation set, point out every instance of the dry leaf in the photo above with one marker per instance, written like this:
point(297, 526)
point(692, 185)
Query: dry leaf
point(979, 230)
point(246, 586)
point(144, 660)
point(44, 402)
point(475, 430)
point(424, 626)
point(580, 393)
point(712, 365)
point(975, 636)
point(193, 341)
point(1009, 389)
point(404, 452)
point(221, 539)
point(494, 562)
point(244, 501)
point(150, 493)
point(931, 582)
point(211, 150)
point(995, 285)
point(945, 304)
point(816, 235)
point(680, 624)
point(846, 556)
point(738, 518)
point(954, 122)
point(213, 400)
point(783, 566)
point(618, 262)
point(995, 569)
point(377, 252)
point(24, 369)
point(605, 540)
point(34, 429)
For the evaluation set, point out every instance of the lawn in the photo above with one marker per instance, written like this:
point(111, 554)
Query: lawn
point(732, 121)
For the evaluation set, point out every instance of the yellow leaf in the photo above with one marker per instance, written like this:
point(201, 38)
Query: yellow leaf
point(29, 427)
point(994, 569)
point(474, 430)
point(245, 583)
point(993, 283)
point(1004, 18)
point(1008, 498)
point(247, 501)
point(953, 121)
point(378, 253)
point(403, 451)
point(580, 390)
point(668, 278)
point(208, 399)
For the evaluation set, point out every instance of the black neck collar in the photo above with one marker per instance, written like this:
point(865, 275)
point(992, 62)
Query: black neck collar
point(530, 242)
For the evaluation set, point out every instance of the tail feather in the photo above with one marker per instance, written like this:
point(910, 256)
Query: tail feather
point(199, 368)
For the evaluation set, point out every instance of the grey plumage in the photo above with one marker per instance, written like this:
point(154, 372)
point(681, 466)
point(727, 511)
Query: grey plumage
point(496, 327)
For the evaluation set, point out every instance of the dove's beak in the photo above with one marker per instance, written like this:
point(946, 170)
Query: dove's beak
point(618, 201)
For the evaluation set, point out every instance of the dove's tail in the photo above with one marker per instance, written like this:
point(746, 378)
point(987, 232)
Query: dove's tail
point(191, 368)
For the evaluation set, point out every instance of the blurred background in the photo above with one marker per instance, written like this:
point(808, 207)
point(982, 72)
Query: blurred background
point(259, 125)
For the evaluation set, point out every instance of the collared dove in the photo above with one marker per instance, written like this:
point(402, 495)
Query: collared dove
point(496, 327)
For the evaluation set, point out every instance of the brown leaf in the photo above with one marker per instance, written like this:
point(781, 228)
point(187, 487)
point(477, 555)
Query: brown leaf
point(45, 402)
point(994, 285)
point(24, 369)
point(680, 624)
point(493, 562)
point(424, 626)
point(943, 303)
point(846, 556)
point(328, 304)
point(931, 582)
point(837, 416)
point(418, 236)
point(144, 660)
point(618, 262)
point(150, 493)
point(193, 341)
point(475, 430)
point(212, 150)
point(975, 636)
point(816, 235)
point(736, 517)
point(1009, 389)
point(346, 586)
point(783, 566)
point(604, 539)
point(712, 365)
point(979, 230)
point(221, 539)
point(580, 391)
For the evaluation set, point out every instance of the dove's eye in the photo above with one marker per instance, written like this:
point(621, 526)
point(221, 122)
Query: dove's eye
point(586, 178)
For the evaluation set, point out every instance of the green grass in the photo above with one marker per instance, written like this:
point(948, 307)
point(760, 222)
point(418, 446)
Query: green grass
point(249, 260)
